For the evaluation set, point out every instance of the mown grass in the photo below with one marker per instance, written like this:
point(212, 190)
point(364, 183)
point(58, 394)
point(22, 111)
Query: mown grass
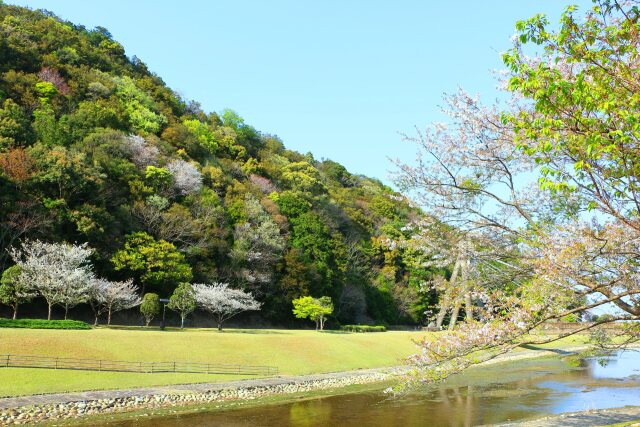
point(294, 352)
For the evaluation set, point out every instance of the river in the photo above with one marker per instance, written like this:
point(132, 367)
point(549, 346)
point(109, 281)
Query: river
point(484, 395)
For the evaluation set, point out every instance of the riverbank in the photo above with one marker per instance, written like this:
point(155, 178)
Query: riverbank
point(617, 417)
point(65, 406)
point(181, 398)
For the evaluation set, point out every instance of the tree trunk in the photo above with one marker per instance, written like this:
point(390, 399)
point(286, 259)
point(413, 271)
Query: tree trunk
point(220, 326)
point(95, 321)
point(445, 303)
point(66, 312)
point(454, 315)
point(49, 313)
point(182, 322)
point(15, 311)
point(109, 318)
point(321, 323)
point(468, 306)
point(468, 302)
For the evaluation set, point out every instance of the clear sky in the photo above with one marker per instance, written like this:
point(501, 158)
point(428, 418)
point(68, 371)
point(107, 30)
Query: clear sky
point(338, 78)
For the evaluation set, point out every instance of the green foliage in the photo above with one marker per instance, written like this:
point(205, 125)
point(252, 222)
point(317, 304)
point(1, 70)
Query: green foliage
point(315, 309)
point(11, 293)
point(43, 324)
point(267, 218)
point(362, 328)
point(159, 179)
point(14, 125)
point(183, 300)
point(202, 133)
point(150, 307)
point(156, 263)
point(301, 176)
point(138, 105)
point(46, 91)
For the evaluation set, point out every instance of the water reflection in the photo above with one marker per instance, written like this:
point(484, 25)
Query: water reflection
point(482, 396)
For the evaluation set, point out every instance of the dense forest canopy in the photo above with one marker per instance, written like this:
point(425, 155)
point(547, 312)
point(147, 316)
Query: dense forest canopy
point(96, 148)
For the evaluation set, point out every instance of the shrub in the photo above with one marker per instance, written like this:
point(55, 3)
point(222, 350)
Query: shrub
point(363, 328)
point(43, 324)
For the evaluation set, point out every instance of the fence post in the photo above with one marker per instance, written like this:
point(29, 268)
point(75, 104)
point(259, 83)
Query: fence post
point(57, 362)
point(152, 363)
point(174, 366)
point(208, 368)
point(100, 365)
point(140, 368)
point(8, 356)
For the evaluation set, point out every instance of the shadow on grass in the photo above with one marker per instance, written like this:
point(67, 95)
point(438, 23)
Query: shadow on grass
point(254, 331)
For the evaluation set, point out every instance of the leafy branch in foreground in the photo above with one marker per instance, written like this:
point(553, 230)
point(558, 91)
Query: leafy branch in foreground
point(551, 179)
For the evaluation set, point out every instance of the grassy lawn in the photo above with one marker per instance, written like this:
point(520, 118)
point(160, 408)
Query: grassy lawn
point(292, 351)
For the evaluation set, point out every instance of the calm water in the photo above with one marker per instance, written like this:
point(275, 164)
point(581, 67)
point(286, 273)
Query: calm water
point(481, 396)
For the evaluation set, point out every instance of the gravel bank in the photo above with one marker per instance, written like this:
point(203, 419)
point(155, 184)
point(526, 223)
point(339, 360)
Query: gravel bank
point(602, 417)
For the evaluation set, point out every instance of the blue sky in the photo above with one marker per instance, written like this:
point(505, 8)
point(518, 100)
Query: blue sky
point(334, 77)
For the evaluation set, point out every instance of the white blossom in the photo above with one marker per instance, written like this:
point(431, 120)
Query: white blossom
point(186, 177)
point(224, 302)
point(110, 296)
point(141, 152)
point(60, 272)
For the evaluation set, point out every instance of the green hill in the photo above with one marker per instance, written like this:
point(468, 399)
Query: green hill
point(94, 148)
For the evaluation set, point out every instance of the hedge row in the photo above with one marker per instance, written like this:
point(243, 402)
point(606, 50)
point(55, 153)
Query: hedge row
point(43, 324)
point(363, 328)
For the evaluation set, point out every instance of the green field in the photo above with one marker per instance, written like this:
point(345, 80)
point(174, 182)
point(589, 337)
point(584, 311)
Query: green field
point(292, 351)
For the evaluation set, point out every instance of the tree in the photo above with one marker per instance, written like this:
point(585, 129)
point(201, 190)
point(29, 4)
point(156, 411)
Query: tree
point(312, 308)
point(186, 177)
point(13, 290)
point(302, 176)
point(109, 297)
point(150, 307)
point(183, 301)
point(160, 179)
point(572, 125)
point(258, 246)
point(140, 151)
point(60, 272)
point(224, 302)
point(157, 263)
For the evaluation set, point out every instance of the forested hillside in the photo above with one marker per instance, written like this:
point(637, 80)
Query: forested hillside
point(96, 148)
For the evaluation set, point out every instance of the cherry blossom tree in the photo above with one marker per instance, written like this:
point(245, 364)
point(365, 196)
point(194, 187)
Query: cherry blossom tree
point(60, 272)
point(224, 302)
point(258, 246)
point(142, 153)
point(186, 177)
point(551, 176)
point(108, 297)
